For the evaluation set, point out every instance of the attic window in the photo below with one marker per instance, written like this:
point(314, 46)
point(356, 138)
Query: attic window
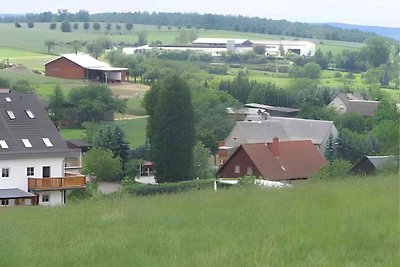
point(29, 113)
point(26, 143)
point(8, 99)
point(3, 144)
point(47, 142)
point(11, 114)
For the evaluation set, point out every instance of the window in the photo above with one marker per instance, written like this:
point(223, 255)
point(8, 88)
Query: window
point(249, 170)
point(5, 202)
point(11, 114)
point(47, 142)
point(237, 168)
point(5, 172)
point(8, 99)
point(30, 171)
point(3, 144)
point(26, 143)
point(29, 113)
point(45, 198)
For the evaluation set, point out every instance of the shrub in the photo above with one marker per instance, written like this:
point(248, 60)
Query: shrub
point(66, 26)
point(76, 26)
point(86, 25)
point(30, 25)
point(129, 26)
point(165, 188)
point(247, 180)
point(336, 169)
point(53, 26)
point(17, 24)
point(96, 26)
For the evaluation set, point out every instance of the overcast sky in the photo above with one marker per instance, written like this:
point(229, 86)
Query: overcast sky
point(363, 12)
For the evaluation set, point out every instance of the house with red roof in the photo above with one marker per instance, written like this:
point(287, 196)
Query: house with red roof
point(275, 161)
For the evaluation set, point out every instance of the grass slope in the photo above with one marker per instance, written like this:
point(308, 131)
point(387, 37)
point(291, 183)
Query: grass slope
point(34, 39)
point(340, 223)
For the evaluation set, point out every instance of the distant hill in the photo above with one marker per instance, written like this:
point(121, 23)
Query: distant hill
point(382, 31)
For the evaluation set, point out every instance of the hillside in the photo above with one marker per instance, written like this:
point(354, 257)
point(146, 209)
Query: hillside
point(389, 32)
point(338, 223)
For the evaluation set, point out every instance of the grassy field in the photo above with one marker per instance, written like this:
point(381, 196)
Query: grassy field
point(340, 223)
point(134, 129)
point(33, 39)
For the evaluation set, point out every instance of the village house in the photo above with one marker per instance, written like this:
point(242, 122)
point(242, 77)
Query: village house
point(275, 161)
point(263, 129)
point(81, 66)
point(349, 102)
point(32, 154)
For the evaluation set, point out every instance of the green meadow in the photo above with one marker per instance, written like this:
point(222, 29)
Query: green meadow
point(33, 39)
point(134, 129)
point(351, 222)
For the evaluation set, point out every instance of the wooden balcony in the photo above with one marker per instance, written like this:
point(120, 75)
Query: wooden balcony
point(58, 183)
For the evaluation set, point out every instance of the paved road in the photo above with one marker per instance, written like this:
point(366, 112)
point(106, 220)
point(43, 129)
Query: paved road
point(108, 188)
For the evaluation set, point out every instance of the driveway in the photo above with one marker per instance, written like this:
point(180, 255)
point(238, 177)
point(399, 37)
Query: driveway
point(146, 179)
point(108, 187)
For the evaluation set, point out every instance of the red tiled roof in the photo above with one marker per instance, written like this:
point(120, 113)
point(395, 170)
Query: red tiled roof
point(296, 159)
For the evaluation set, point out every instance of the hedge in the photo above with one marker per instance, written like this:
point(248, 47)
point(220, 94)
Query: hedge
point(166, 188)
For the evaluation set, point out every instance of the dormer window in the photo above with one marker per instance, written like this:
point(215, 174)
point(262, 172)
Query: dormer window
point(11, 115)
point(47, 142)
point(30, 113)
point(26, 142)
point(8, 99)
point(3, 144)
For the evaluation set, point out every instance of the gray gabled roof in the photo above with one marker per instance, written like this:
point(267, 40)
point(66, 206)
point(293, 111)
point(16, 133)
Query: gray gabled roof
point(380, 161)
point(12, 131)
point(284, 128)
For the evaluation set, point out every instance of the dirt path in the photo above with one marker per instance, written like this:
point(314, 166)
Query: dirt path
point(129, 90)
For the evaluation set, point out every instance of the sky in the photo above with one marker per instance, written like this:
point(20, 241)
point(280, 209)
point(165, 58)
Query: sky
point(362, 12)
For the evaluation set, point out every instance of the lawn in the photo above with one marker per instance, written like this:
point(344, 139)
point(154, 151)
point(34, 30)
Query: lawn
point(351, 222)
point(134, 129)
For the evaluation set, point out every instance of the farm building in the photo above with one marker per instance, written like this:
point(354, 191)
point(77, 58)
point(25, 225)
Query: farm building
point(276, 160)
point(369, 164)
point(81, 66)
point(32, 155)
point(354, 103)
point(219, 46)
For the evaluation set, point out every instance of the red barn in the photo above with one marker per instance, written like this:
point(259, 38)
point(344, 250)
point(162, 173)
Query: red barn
point(81, 66)
point(287, 160)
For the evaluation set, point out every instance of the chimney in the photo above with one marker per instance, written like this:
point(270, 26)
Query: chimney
point(274, 147)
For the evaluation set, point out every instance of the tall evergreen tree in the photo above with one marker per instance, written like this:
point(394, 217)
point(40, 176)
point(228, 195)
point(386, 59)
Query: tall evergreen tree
point(330, 149)
point(171, 129)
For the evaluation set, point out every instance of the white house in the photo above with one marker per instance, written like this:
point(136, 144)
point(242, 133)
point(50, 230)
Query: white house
point(32, 155)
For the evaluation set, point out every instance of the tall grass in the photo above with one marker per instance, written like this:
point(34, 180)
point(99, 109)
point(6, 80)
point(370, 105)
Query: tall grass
point(340, 223)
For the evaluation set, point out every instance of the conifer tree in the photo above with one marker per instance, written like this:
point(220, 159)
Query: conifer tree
point(171, 129)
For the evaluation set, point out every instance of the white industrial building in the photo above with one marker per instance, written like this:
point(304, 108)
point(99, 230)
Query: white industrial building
point(218, 46)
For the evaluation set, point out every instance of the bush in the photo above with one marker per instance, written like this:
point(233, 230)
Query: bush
point(76, 26)
point(129, 26)
point(336, 169)
point(30, 25)
point(17, 24)
point(89, 192)
point(165, 188)
point(53, 26)
point(247, 180)
point(86, 25)
point(66, 26)
point(96, 26)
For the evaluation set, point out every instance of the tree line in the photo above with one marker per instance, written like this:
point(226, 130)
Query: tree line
point(203, 21)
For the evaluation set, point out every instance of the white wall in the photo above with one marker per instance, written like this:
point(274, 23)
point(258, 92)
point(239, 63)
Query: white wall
point(55, 198)
point(18, 177)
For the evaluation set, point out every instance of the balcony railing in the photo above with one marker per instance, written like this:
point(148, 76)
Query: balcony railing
point(70, 182)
